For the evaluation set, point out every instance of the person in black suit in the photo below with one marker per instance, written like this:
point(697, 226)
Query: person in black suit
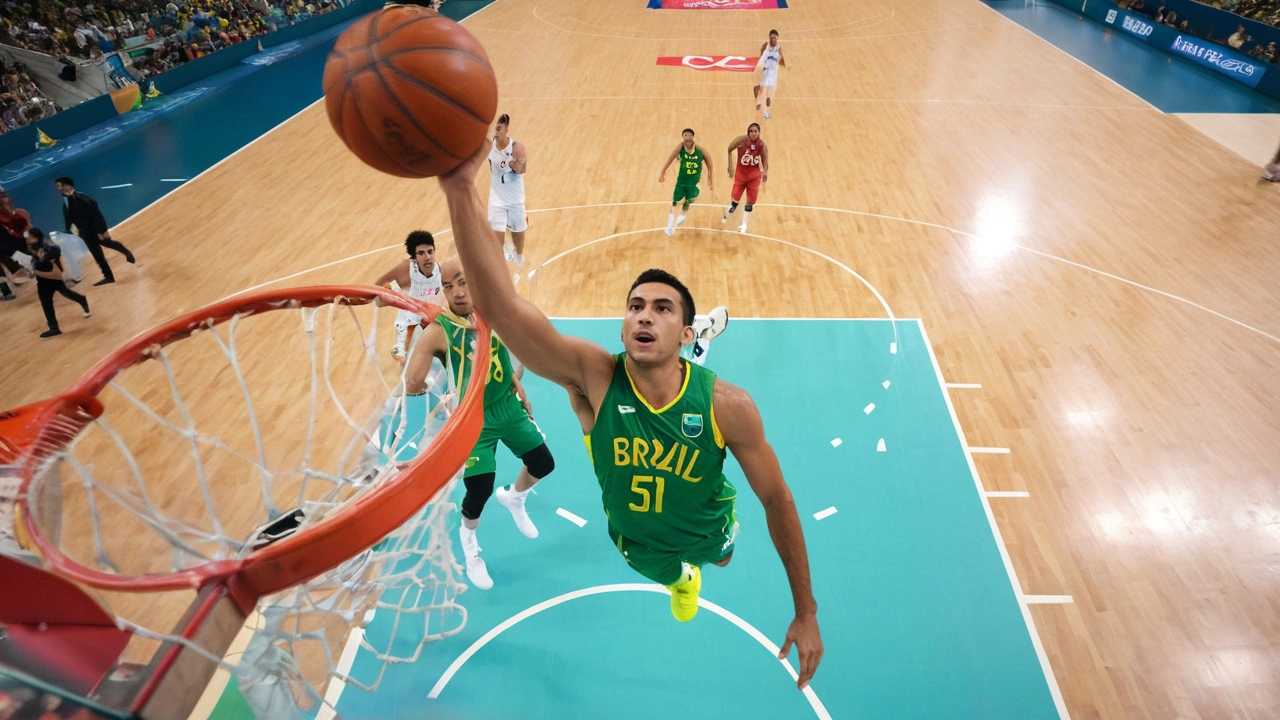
point(46, 265)
point(81, 210)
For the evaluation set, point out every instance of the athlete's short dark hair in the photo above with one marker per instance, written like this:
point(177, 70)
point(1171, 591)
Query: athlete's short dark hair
point(654, 275)
point(753, 125)
point(688, 130)
point(64, 181)
point(416, 238)
point(504, 119)
point(773, 32)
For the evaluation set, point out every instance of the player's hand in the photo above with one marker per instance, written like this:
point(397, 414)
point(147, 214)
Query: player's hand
point(730, 171)
point(464, 176)
point(662, 176)
point(804, 633)
point(764, 178)
point(528, 406)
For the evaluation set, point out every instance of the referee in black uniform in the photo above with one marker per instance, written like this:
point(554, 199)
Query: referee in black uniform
point(46, 264)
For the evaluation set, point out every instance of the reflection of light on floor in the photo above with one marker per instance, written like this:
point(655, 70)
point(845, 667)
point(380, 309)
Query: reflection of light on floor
point(997, 228)
point(1089, 419)
point(1172, 515)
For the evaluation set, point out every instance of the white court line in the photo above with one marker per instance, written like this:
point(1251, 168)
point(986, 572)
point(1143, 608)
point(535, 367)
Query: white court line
point(736, 98)
point(1045, 667)
point(965, 386)
point(1008, 494)
point(925, 223)
point(336, 684)
point(869, 408)
point(1073, 57)
point(922, 223)
point(1047, 599)
point(883, 303)
point(818, 708)
point(824, 514)
point(990, 450)
point(174, 179)
point(113, 187)
point(790, 31)
point(223, 160)
point(570, 517)
point(837, 442)
point(722, 39)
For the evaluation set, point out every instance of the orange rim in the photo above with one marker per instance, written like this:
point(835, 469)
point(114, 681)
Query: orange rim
point(43, 428)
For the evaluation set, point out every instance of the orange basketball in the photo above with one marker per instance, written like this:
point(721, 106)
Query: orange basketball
point(410, 91)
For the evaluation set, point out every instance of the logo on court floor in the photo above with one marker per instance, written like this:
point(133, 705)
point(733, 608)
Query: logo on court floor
point(691, 425)
point(731, 63)
point(718, 4)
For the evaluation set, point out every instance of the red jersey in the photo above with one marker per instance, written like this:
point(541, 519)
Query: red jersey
point(16, 224)
point(748, 161)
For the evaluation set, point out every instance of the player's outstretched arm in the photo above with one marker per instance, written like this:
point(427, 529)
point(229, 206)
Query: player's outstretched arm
point(662, 174)
point(399, 273)
point(733, 144)
point(711, 172)
point(432, 344)
point(743, 432)
point(570, 362)
point(764, 164)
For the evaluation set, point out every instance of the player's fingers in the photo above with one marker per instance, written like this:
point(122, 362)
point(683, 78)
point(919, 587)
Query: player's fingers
point(786, 648)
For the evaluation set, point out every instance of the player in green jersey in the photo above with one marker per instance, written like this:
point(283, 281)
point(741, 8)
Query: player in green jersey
point(506, 417)
point(658, 427)
point(688, 173)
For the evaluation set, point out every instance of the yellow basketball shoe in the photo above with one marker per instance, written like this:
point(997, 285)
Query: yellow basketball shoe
point(684, 596)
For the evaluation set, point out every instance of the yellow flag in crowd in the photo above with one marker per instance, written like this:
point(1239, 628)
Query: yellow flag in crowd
point(44, 141)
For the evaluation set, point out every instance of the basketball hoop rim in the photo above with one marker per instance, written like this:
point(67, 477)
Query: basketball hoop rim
point(308, 552)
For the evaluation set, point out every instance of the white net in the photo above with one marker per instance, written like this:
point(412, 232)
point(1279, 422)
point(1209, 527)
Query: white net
point(240, 435)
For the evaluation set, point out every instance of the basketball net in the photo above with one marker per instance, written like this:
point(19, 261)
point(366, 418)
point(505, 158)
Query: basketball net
point(239, 436)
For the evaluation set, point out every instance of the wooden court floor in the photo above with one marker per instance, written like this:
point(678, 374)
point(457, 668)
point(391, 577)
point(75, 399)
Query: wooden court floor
point(1104, 272)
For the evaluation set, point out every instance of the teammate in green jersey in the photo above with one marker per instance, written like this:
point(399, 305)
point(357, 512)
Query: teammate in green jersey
point(688, 173)
point(506, 418)
point(658, 427)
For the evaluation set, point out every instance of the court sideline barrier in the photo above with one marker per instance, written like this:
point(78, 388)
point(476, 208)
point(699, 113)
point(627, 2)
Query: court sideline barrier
point(22, 142)
point(1257, 74)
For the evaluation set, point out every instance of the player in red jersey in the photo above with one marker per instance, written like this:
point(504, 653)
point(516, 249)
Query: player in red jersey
point(14, 223)
point(748, 173)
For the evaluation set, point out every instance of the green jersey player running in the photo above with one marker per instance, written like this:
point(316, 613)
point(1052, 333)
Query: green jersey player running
point(688, 173)
point(657, 426)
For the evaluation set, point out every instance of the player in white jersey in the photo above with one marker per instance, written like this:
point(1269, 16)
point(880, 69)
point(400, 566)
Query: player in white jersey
point(419, 279)
point(507, 163)
point(770, 60)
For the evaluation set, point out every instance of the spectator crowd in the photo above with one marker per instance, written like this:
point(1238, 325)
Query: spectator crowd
point(155, 35)
point(1264, 11)
point(21, 101)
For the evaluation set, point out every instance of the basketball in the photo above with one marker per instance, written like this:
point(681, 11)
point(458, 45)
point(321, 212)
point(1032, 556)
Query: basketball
point(410, 91)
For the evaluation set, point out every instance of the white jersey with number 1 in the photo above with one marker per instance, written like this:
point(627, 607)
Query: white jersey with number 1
point(506, 186)
point(769, 61)
point(421, 287)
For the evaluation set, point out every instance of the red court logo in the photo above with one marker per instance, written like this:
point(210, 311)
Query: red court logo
point(732, 63)
point(722, 4)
